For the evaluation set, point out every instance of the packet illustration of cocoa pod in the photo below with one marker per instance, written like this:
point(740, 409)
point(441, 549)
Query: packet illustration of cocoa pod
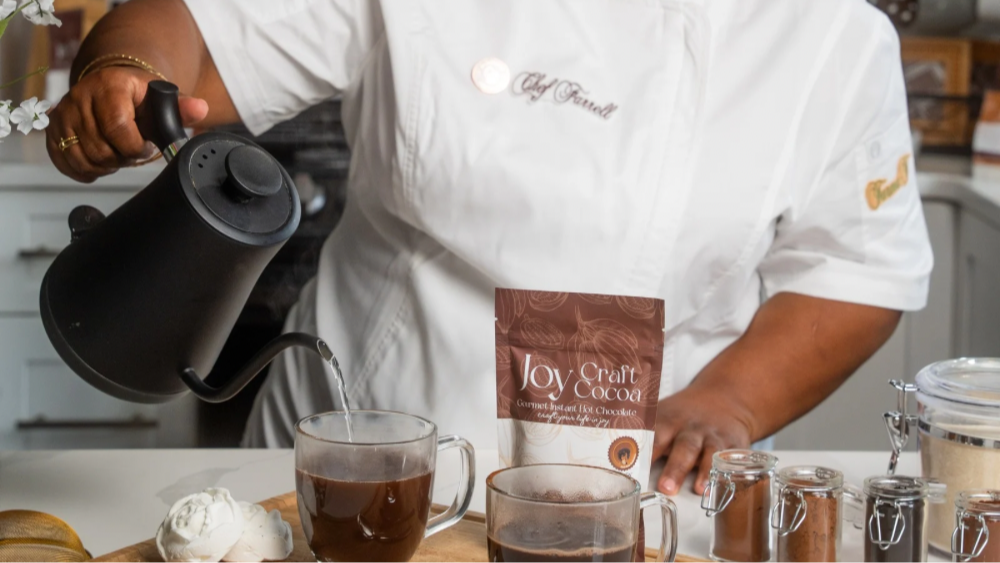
point(578, 379)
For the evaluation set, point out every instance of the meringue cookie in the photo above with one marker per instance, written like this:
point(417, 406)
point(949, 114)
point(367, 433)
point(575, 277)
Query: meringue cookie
point(265, 536)
point(201, 527)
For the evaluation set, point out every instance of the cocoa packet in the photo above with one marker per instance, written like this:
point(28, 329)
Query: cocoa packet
point(578, 379)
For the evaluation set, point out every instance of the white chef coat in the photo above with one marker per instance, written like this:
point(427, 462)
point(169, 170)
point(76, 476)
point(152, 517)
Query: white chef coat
point(707, 152)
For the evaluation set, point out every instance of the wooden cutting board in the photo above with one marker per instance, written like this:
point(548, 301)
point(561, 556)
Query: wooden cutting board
point(465, 541)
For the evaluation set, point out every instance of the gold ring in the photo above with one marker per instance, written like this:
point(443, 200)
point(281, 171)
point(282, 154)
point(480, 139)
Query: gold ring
point(68, 142)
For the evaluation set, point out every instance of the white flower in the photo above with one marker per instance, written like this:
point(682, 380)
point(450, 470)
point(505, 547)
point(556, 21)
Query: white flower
point(266, 537)
point(31, 115)
point(4, 118)
point(201, 527)
point(7, 8)
point(40, 12)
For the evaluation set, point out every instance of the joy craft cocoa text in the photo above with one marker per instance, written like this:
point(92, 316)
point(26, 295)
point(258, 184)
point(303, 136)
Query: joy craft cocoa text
point(571, 394)
point(588, 384)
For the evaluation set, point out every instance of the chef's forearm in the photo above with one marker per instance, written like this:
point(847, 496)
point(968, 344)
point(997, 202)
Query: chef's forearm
point(160, 32)
point(163, 34)
point(796, 352)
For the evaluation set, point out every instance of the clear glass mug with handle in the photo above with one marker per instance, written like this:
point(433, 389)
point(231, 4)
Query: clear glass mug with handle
point(366, 496)
point(556, 512)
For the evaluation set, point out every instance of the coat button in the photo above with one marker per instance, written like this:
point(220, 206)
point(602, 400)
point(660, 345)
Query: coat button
point(491, 75)
point(875, 150)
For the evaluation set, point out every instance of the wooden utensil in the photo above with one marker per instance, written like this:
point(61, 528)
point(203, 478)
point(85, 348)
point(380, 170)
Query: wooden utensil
point(465, 541)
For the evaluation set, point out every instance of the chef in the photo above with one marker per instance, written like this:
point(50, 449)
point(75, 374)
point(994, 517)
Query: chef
point(748, 161)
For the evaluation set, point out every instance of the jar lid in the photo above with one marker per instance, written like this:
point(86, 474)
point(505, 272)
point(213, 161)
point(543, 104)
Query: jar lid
point(902, 488)
point(810, 478)
point(973, 381)
point(979, 502)
point(743, 462)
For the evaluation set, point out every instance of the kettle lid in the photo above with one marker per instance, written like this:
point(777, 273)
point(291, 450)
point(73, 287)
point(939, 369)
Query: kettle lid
point(239, 183)
point(233, 185)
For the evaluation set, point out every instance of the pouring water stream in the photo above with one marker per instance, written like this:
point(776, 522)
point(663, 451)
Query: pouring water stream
point(334, 365)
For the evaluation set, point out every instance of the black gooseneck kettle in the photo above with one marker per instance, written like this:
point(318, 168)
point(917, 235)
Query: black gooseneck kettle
point(141, 301)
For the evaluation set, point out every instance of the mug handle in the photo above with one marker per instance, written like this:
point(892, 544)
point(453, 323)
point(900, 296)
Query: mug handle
point(467, 481)
point(668, 537)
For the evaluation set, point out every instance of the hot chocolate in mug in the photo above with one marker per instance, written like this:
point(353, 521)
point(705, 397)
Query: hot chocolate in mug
point(364, 492)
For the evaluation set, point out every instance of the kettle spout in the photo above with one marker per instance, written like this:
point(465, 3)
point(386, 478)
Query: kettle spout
point(229, 389)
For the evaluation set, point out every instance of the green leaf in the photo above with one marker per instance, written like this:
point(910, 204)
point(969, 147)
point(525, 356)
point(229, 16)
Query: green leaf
point(3, 26)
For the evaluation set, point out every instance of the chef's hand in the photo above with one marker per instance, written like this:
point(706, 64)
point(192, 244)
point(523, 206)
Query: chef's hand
point(100, 111)
point(691, 426)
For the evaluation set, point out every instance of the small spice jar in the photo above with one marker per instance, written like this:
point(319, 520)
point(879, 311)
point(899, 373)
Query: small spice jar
point(977, 526)
point(807, 514)
point(738, 500)
point(896, 517)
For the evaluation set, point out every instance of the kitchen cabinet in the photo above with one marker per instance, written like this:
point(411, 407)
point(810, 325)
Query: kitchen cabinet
point(978, 280)
point(43, 404)
point(33, 230)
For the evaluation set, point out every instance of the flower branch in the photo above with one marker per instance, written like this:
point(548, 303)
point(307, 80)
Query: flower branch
point(30, 115)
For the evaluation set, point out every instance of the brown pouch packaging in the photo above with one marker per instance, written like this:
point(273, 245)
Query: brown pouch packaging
point(578, 379)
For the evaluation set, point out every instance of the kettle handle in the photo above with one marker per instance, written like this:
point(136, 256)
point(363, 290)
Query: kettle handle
point(159, 118)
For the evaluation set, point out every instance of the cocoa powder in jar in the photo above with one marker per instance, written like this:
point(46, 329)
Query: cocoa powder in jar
point(912, 545)
point(817, 537)
point(741, 530)
point(991, 552)
point(988, 509)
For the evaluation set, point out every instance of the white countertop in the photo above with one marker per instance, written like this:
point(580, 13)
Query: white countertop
point(114, 498)
point(979, 197)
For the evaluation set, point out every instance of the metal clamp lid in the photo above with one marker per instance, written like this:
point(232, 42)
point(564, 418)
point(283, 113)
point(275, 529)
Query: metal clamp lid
point(727, 464)
point(958, 548)
point(898, 422)
point(744, 462)
point(963, 383)
point(875, 532)
point(778, 511)
point(889, 494)
point(980, 501)
point(712, 504)
point(810, 478)
point(973, 508)
point(793, 484)
point(904, 490)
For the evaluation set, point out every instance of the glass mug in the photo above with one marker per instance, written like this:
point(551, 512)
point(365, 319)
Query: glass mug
point(369, 499)
point(556, 512)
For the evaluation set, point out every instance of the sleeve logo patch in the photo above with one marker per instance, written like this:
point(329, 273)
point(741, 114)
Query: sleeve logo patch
point(879, 191)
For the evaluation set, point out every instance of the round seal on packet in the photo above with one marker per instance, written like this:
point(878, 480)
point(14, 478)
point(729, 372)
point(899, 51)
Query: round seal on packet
point(623, 453)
